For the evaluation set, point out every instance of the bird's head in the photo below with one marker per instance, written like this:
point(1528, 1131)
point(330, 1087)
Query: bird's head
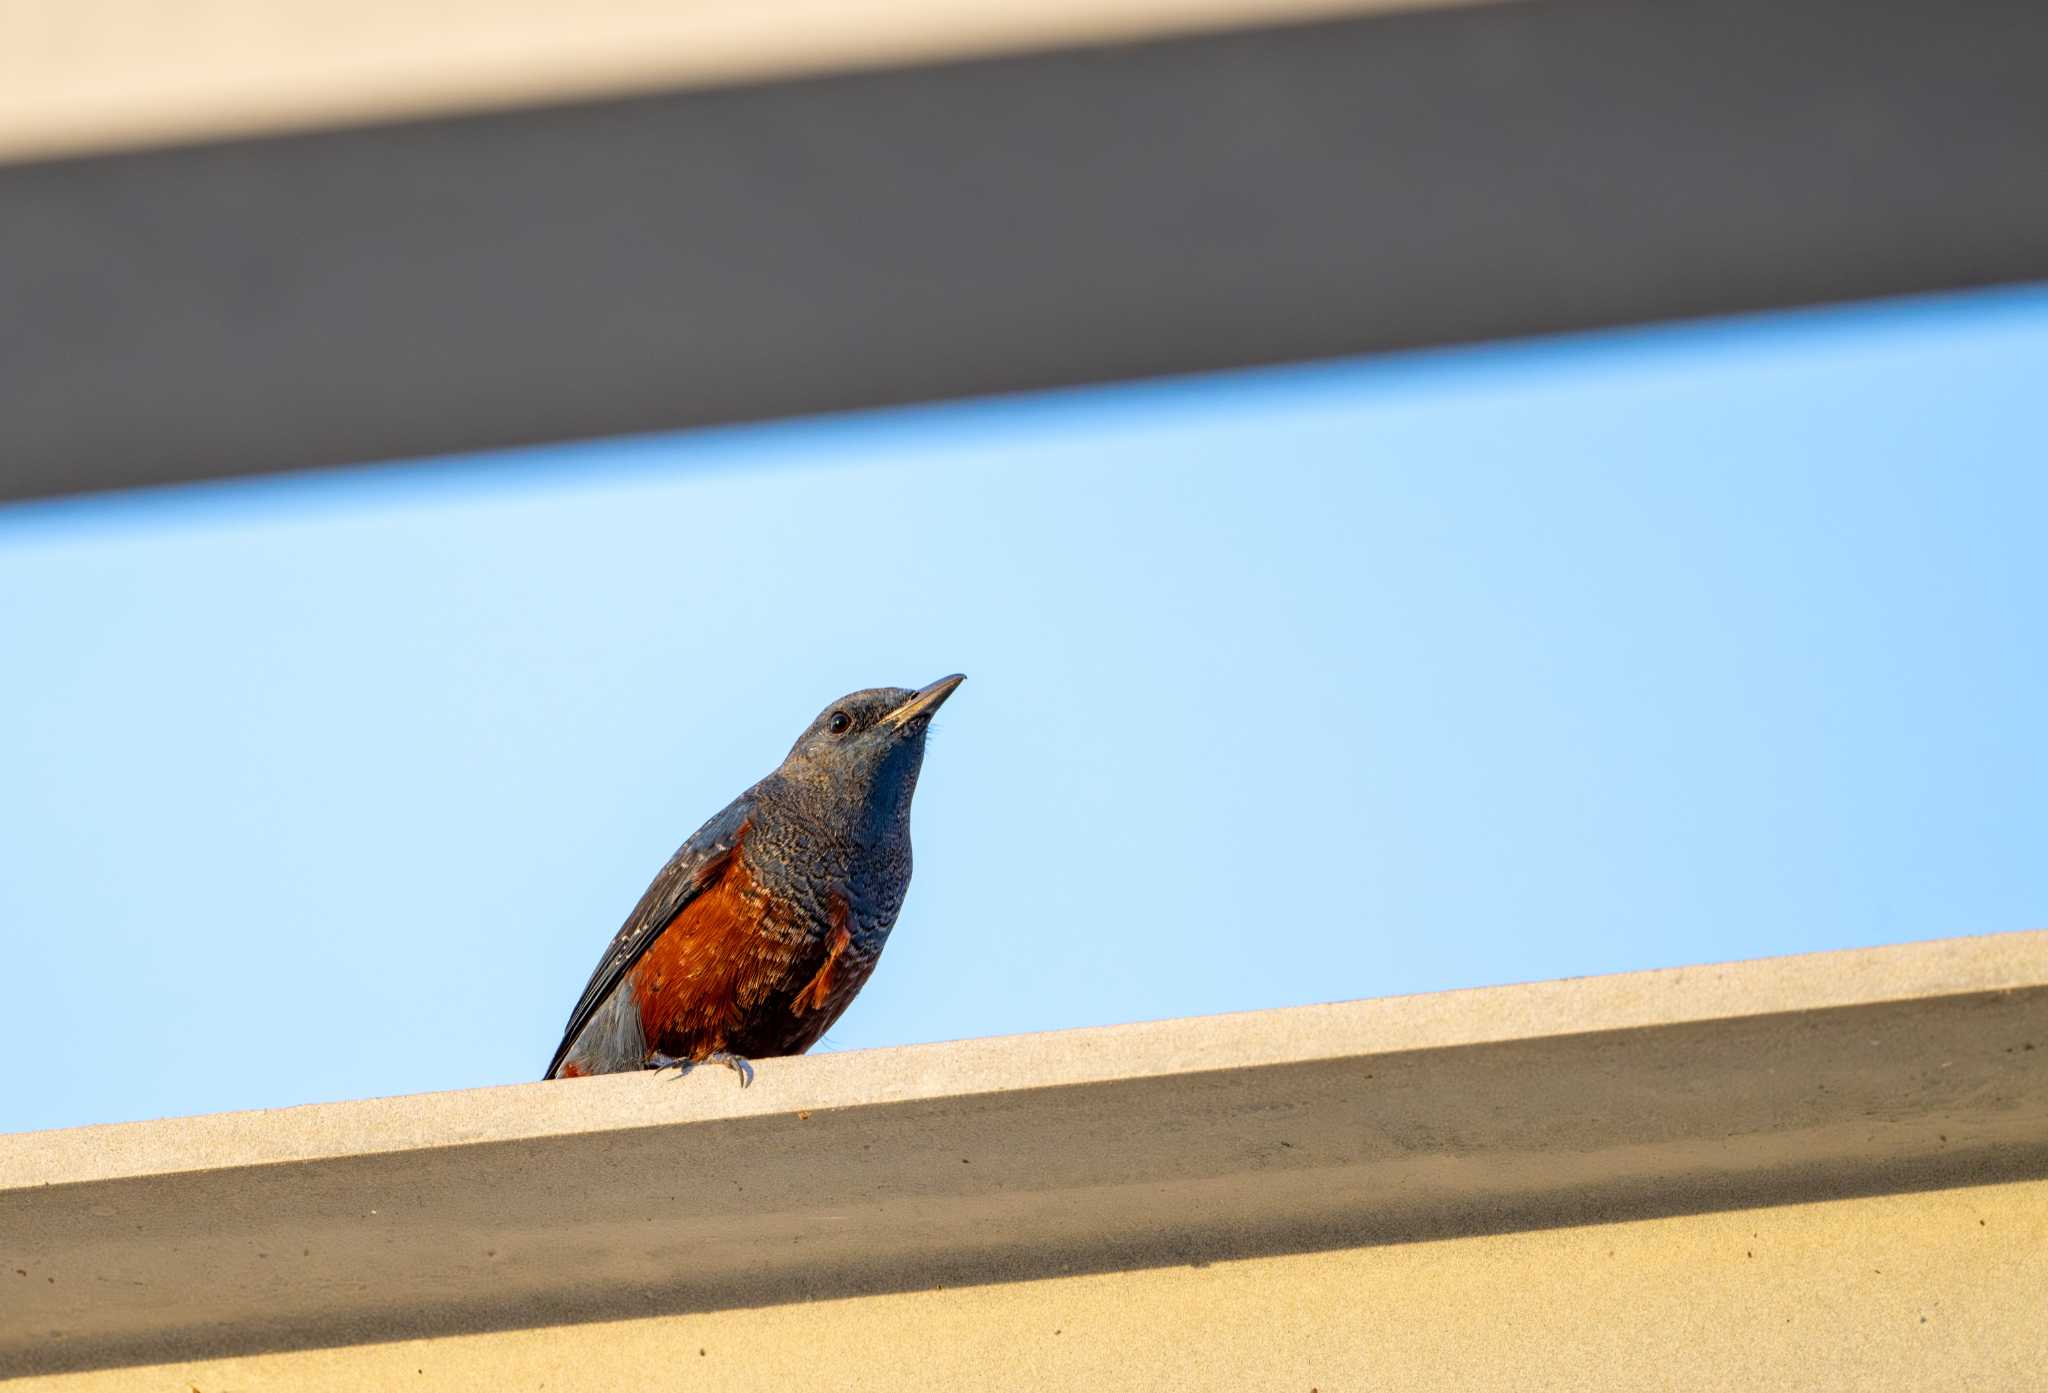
point(859, 761)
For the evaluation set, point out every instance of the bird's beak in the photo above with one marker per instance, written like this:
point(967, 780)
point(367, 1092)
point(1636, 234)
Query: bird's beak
point(926, 701)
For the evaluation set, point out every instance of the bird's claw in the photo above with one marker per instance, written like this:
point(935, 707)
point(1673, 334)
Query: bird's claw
point(659, 1061)
point(735, 1063)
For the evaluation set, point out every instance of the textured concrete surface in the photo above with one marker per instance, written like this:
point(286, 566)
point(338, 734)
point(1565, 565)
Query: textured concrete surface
point(1924, 1292)
point(1502, 1111)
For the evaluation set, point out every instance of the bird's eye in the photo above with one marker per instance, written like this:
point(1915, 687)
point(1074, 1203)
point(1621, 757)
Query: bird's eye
point(840, 723)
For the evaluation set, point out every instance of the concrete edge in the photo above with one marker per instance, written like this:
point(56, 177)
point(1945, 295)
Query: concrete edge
point(1003, 1064)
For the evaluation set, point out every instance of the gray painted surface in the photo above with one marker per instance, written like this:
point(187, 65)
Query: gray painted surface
point(1004, 224)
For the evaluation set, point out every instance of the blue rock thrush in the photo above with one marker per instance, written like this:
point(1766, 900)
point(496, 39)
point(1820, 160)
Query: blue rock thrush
point(762, 927)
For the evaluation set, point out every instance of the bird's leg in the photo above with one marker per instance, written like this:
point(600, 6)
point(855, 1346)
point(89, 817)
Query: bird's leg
point(658, 1061)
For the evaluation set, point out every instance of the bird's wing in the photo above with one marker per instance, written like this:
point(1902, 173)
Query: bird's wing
point(695, 867)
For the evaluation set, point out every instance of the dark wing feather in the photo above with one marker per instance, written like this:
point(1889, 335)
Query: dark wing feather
point(693, 869)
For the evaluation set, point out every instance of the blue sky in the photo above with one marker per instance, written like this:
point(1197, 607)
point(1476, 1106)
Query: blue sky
point(1344, 680)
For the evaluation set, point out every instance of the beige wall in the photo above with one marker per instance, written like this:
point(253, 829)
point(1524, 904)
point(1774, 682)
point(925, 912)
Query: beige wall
point(1942, 1290)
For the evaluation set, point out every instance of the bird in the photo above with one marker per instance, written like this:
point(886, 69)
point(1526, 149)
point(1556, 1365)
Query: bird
point(762, 927)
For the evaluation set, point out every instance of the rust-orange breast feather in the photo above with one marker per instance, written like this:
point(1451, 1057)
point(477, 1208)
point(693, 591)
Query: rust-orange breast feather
point(712, 968)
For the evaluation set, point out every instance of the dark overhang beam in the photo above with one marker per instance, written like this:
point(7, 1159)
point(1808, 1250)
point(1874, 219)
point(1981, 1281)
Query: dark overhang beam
point(872, 236)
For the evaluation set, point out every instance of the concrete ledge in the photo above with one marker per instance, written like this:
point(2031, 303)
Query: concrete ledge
point(1880, 1071)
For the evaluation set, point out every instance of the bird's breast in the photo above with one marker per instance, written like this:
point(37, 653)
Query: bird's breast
point(764, 960)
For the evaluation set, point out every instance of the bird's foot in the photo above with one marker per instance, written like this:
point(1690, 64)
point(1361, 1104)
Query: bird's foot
point(734, 1062)
point(659, 1061)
